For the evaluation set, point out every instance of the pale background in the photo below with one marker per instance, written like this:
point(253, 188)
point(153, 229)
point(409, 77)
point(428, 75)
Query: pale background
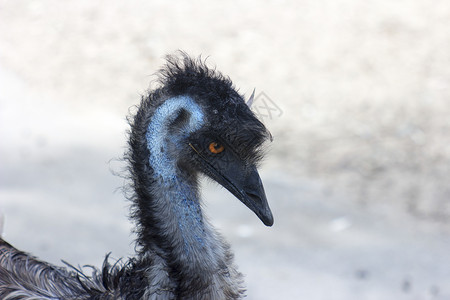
point(358, 173)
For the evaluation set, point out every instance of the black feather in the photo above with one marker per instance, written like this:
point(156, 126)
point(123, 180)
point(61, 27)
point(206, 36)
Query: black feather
point(168, 264)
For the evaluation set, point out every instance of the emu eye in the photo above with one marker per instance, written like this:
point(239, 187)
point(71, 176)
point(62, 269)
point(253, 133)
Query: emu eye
point(216, 148)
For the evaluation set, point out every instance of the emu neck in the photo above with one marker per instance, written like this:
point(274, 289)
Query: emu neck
point(196, 261)
point(174, 190)
point(177, 225)
point(189, 259)
point(182, 212)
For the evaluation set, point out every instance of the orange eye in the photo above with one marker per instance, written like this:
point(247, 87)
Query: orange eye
point(216, 148)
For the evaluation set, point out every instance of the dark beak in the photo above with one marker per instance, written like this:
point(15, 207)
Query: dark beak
point(242, 181)
point(254, 197)
point(246, 185)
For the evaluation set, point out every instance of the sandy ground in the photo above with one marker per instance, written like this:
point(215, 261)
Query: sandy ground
point(356, 96)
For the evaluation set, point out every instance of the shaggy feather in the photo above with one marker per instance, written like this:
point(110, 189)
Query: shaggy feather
point(179, 254)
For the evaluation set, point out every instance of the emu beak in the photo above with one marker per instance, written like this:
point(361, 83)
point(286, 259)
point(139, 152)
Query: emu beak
point(254, 197)
point(246, 185)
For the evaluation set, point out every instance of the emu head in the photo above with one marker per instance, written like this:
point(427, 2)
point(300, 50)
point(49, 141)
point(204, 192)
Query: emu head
point(207, 128)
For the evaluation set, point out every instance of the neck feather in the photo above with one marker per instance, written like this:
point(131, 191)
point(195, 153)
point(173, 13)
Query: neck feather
point(168, 206)
point(175, 190)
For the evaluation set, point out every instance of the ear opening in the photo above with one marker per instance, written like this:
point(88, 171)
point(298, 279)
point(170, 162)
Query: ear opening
point(181, 119)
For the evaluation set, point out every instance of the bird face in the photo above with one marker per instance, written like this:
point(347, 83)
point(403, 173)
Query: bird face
point(230, 158)
point(215, 132)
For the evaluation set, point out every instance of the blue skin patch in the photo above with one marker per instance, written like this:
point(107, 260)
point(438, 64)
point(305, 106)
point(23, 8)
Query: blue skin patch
point(187, 207)
point(158, 130)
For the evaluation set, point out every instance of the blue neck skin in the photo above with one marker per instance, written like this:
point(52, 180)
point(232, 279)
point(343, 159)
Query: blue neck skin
point(173, 187)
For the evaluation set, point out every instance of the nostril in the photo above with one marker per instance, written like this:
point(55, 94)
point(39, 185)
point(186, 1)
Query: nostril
point(253, 196)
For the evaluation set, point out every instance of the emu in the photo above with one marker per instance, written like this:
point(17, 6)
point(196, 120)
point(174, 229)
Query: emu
point(193, 123)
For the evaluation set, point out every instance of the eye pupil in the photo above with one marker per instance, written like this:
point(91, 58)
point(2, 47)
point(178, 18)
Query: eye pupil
point(216, 148)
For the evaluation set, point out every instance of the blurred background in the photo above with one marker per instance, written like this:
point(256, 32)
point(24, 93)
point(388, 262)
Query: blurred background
point(355, 93)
